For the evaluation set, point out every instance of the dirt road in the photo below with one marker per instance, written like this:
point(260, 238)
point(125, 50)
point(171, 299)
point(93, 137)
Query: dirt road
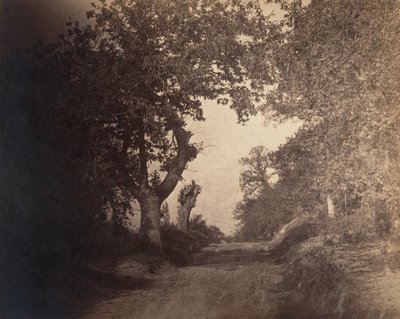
point(229, 290)
point(226, 283)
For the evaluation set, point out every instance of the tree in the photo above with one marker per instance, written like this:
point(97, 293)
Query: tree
point(264, 207)
point(256, 173)
point(297, 165)
point(187, 200)
point(136, 75)
point(339, 74)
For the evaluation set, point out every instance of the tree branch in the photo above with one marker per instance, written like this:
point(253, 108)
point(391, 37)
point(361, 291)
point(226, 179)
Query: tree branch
point(133, 188)
point(186, 153)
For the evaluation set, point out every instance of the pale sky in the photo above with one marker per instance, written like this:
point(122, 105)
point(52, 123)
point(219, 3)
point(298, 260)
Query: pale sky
point(217, 169)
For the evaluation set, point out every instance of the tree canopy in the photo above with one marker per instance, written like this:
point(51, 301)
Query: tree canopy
point(339, 75)
point(256, 172)
point(134, 76)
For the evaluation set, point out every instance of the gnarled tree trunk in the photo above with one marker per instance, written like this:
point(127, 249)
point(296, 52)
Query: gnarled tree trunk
point(151, 197)
point(187, 201)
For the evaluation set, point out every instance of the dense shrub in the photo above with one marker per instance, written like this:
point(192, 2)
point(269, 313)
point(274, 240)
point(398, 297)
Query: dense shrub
point(359, 226)
point(316, 282)
point(205, 234)
point(177, 245)
point(314, 272)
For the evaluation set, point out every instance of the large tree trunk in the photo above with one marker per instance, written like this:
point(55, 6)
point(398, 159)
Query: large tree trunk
point(150, 221)
point(189, 200)
point(150, 198)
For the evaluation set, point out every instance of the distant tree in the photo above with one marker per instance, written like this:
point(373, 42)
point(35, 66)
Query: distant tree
point(260, 217)
point(136, 74)
point(296, 168)
point(264, 207)
point(256, 173)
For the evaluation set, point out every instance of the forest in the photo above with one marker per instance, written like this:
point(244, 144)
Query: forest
point(94, 130)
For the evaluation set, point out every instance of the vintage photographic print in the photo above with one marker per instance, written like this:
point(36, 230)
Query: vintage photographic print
point(200, 159)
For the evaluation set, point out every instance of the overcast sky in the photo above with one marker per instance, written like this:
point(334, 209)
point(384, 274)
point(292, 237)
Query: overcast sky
point(217, 169)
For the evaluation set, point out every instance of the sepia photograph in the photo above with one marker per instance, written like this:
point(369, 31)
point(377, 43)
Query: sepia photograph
point(199, 159)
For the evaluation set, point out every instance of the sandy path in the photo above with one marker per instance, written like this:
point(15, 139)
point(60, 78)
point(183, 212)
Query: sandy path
point(241, 281)
point(209, 291)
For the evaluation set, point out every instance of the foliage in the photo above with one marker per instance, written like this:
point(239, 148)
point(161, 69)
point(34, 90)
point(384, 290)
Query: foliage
point(206, 234)
point(45, 231)
point(358, 229)
point(318, 282)
point(255, 175)
point(179, 246)
point(165, 216)
point(261, 217)
point(314, 272)
point(114, 243)
point(51, 220)
point(339, 74)
point(153, 61)
point(135, 75)
point(264, 208)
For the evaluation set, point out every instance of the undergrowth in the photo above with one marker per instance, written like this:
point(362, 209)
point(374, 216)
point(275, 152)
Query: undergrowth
point(317, 284)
